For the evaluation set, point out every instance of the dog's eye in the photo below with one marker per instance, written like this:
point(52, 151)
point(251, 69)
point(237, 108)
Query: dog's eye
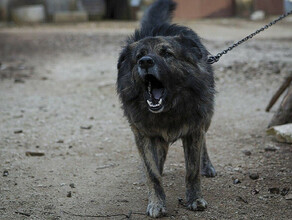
point(166, 53)
point(139, 56)
point(169, 54)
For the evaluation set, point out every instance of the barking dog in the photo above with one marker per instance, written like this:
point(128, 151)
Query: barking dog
point(167, 93)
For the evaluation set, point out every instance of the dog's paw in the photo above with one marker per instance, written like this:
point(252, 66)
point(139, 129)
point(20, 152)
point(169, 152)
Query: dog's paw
point(198, 205)
point(208, 170)
point(156, 210)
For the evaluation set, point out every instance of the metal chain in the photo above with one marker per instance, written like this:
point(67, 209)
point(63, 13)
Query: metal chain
point(213, 59)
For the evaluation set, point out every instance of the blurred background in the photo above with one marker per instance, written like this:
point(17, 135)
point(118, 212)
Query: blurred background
point(67, 152)
point(34, 11)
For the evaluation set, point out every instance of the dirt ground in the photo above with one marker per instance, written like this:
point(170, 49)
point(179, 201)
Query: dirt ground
point(57, 97)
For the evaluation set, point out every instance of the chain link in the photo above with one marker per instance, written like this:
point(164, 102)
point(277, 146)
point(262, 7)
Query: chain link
point(213, 59)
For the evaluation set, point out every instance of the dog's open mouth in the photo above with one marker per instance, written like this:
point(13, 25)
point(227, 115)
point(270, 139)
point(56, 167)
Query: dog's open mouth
point(155, 94)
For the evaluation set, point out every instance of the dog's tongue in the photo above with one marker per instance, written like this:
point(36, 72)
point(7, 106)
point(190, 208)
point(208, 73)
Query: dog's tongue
point(157, 93)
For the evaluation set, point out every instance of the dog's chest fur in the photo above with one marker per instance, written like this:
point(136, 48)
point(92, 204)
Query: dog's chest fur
point(170, 131)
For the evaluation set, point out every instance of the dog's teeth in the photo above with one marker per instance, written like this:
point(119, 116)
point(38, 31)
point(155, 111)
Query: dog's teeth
point(156, 105)
point(152, 105)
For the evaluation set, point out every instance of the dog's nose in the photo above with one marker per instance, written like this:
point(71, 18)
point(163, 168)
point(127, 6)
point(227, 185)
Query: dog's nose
point(146, 62)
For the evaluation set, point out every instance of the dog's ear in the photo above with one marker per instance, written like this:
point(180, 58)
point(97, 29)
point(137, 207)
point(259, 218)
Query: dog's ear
point(126, 52)
point(190, 44)
point(122, 58)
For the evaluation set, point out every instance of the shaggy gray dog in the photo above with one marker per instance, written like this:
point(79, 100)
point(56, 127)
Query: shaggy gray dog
point(167, 93)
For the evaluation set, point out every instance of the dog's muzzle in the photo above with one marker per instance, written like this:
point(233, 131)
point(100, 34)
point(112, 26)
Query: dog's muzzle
point(155, 91)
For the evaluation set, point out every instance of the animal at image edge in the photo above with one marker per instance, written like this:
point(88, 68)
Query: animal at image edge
point(167, 93)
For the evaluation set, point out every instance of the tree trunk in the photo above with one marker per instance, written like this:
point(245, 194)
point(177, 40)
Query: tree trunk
point(284, 113)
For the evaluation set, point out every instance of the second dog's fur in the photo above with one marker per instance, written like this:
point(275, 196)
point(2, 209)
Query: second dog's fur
point(167, 93)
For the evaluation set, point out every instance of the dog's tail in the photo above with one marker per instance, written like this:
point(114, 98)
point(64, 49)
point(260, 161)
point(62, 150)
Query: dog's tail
point(157, 14)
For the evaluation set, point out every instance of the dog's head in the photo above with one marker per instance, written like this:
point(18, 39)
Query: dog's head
point(161, 72)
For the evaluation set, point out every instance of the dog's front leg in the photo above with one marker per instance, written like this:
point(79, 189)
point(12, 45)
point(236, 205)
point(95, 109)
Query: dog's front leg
point(153, 152)
point(207, 169)
point(192, 149)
